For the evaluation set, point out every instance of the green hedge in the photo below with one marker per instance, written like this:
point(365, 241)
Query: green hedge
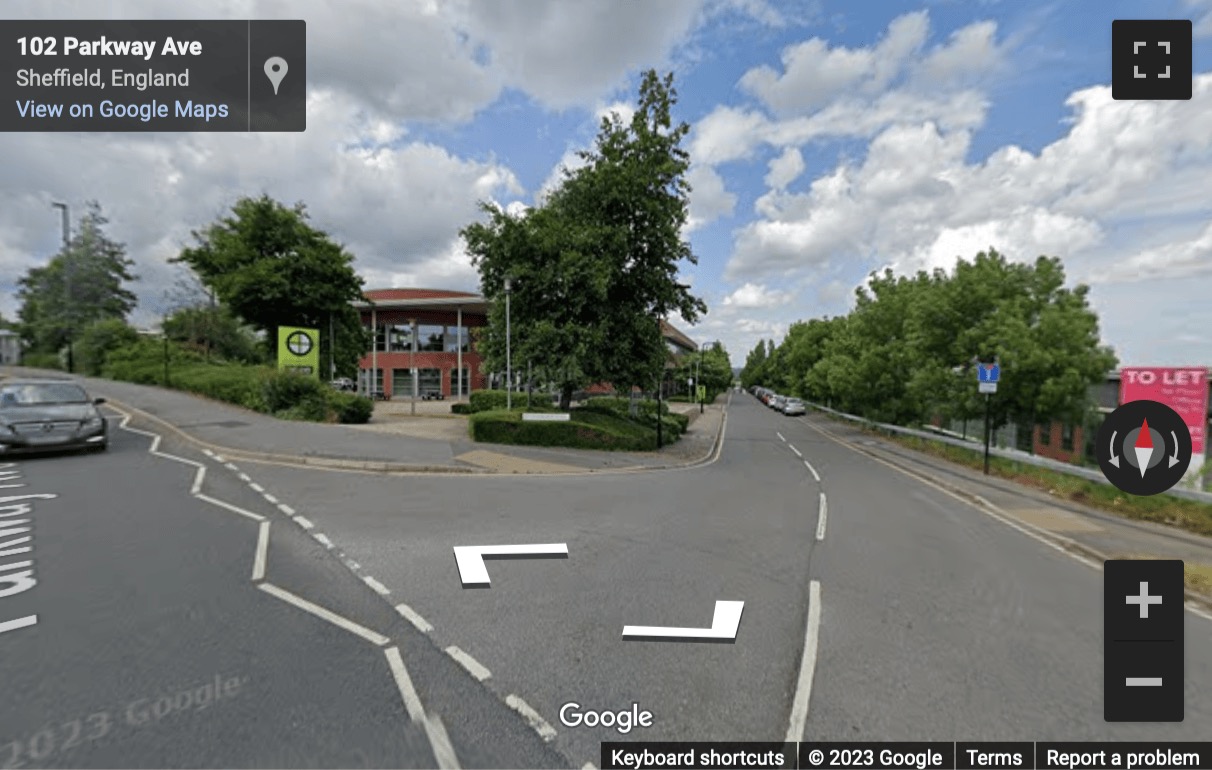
point(461, 408)
point(42, 360)
point(488, 400)
point(621, 406)
point(585, 430)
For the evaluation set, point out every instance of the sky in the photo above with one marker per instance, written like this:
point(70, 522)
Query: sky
point(829, 138)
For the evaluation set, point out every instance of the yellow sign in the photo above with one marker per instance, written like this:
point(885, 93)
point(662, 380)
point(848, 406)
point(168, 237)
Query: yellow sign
point(702, 393)
point(299, 350)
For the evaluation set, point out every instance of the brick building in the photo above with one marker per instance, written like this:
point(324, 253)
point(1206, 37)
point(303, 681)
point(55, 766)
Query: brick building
point(426, 330)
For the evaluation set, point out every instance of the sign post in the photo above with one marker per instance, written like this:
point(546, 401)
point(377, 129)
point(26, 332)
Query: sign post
point(987, 376)
point(298, 350)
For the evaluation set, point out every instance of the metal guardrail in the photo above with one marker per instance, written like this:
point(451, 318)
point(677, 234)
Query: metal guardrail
point(1008, 454)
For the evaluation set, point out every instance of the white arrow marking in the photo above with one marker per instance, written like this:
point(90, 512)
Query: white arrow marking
point(1174, 457)
point(470, 558)
point(1114, 457)
point(724, 625)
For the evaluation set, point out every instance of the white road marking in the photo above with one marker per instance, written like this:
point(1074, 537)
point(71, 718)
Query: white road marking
point(256, 487)
point(545, 731)
point(821, 515)
point(992, 511)
point(725, 623)
point(435, 731)
point(304, 523)
point(219, 458)
point(803, 688)
point(353, 565)
point(379, 588)
point(798, 453)
point(589, 766)
point(270, 499)
point(323, 539)
point(245, 477)
point(780, 435)
point(13, 625)
point(815, 475)
point(208, 453)
point(231, 467)
point(320, 612)
point(473, 666)
point(414, 617)
point(262, 552)
point(286, 509)
point(230, 507)
point(198, 477)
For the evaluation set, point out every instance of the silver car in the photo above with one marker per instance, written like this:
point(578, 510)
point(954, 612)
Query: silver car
point(793, 406)
point(49, 415)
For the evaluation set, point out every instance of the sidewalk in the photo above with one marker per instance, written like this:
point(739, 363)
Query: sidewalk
point(433, 443)
point(1098, 535)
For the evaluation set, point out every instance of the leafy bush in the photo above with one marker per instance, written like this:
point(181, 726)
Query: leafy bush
point(288, 390)
point(41, 360)
point(487, 400)
point(586, 429)
point(461, 408)
point(622, 406)
point(350, 408)
point(99, 340)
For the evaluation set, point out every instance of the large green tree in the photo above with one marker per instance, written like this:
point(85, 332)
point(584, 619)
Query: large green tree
point(272, 268)
point(83, 284)
point(594, 268)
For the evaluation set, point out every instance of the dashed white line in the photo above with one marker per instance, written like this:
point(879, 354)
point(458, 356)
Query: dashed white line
point(412, 616)
point(230, 507)
point(822, 514)
point(323, 539)
point(198, 477)
point(286, 509)
point(815, 475)
point(245, 477)
point(231, 467)
point(545, 731)
point(439, 741)
point(473, 666)
point(353, 565)
point(304, 523)
point(798, 453)
point(379, 588)
point(320, 612)
point(256, 487)
point(262, 552)
point(443, 751)
point(219, 458)
point(270, 499)
point(780, 435)
point(803, 688)
point(208, 453)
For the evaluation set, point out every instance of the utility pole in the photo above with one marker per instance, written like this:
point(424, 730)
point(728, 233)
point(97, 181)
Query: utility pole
point(67, 281)
point(988, 398)
point(508, 358)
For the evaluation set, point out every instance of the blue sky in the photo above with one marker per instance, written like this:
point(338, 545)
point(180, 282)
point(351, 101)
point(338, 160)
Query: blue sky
point(829, 139)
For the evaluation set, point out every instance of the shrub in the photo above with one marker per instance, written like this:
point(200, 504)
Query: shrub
point(99, 340)
point(288, 390)
point(487, 400)
point(461, 408)
point(41, 360)
point(350, 408)
point(622, 406)
point(586, 429)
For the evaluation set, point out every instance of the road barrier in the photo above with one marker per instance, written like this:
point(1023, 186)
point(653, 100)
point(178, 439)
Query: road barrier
point(1008, 454)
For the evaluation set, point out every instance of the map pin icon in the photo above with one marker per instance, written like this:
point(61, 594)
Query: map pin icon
point(275, 70)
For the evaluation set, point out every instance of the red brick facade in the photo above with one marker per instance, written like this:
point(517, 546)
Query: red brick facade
point(1051, 441)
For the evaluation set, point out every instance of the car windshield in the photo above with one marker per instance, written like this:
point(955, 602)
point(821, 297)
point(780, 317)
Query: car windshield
point(42, 394)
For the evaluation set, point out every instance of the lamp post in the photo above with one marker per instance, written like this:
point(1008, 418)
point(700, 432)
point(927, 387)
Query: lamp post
point(508, 352)
point(67, 281)
point(412, 365)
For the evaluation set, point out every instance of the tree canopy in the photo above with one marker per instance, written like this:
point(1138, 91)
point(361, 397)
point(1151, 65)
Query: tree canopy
point(270, 267)
point(83, 284)
point(594, 268)
point(908, 348)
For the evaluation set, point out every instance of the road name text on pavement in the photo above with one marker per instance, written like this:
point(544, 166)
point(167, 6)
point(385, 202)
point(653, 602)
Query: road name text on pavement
point(63, 736)
point(16, 577)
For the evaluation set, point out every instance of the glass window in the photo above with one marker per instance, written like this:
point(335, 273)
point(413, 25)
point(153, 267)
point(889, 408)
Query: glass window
point(364, 380)
point(464, 375)
point(429, 337)
point(401, 338)
point(453, 336)
point(381, 338)
point(55, 393)
point(1067, 437)
point(429, 380)
point(401, 383)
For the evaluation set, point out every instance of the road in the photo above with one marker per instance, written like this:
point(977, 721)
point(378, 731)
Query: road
point(170, 633)
point(905, 614)
point(934, 620)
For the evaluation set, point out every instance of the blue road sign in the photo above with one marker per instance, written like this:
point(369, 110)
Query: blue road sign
point(988, 372)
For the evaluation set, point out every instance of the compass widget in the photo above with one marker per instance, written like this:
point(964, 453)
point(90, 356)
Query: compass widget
point(1144, 447)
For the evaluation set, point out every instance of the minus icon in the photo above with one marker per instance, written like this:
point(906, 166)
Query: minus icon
point(1144, 681)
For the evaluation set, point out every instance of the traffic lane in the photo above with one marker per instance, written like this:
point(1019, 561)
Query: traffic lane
point(644, 549)
point(937, 618)
point(153, 648)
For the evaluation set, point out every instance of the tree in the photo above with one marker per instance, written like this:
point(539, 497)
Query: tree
point(82, 284)
point(594, 269)
point(99, 340)
point(272, 269)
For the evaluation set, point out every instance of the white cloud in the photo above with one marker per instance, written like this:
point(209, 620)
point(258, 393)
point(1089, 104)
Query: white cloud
point(1184, 258)
point(785, 168)
point(709, 199)
point(727, 133)
point(754, 295)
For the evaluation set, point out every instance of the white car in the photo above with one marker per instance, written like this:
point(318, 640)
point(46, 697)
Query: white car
point(793, 407)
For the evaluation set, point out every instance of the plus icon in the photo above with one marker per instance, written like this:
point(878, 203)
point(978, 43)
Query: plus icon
point(1151, 59)
point(1144, 600)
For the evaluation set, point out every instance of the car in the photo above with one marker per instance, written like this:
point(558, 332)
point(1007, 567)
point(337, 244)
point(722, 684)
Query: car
point(344, 384)
point(793, 407)
point(49, 416)
point(433, 395)
point(777, 402)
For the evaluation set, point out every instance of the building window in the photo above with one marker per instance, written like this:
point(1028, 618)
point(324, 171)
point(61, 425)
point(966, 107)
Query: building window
point(430, 381)
point(381, 338)
point(364, 381)
point(465, 377)
point(453, 335)
point(429, 338)
point(401, 338)
point(401, 383)
point(1067, 437)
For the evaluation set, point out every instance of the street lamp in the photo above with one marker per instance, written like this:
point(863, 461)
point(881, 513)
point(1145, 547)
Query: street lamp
point(412, 365)
point(508, 355)
point(67, 280)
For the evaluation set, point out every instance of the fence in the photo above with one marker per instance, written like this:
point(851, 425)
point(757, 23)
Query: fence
point(1009, 454)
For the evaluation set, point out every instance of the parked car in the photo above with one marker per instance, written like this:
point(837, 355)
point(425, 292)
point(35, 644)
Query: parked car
point(793, 407)
point(777, 402)
point(344, 384)
point(49, 415)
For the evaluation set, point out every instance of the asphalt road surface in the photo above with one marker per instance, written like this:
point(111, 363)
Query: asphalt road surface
point(917, 616)
point(290, 617)
point(176, 632)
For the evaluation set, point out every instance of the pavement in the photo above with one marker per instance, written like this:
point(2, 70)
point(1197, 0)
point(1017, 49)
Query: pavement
point(393, 442)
